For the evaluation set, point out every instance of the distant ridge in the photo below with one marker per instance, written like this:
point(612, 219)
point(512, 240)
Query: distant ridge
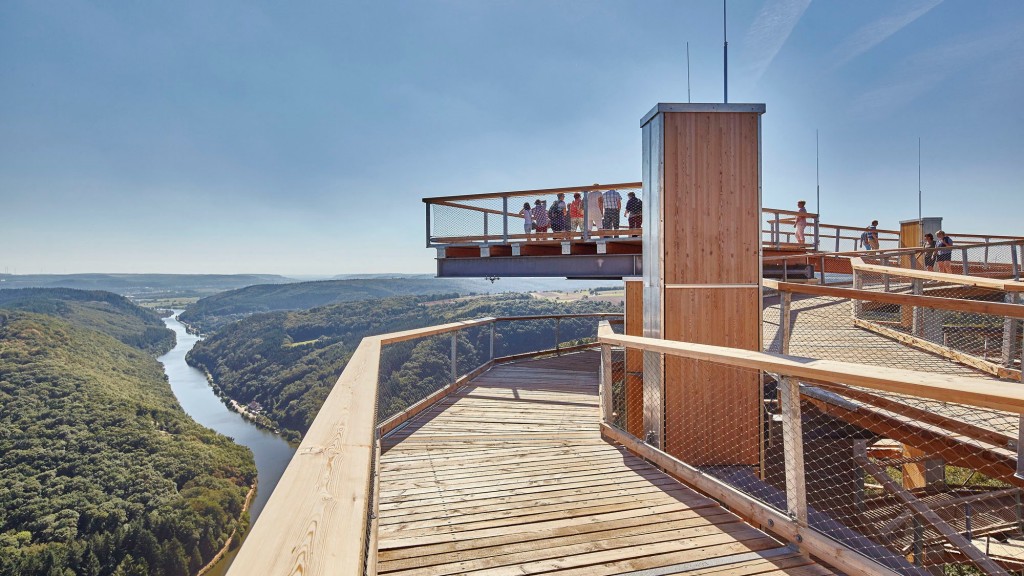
point(215, 311)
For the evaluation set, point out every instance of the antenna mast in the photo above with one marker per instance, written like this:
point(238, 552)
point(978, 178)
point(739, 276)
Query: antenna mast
point(688, 72)
point(817, 178)
point(919, 179)
point(725, 48)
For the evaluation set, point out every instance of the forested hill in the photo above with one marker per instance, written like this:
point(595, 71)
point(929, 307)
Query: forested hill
point(288, 361)
point(108, 313)
point(215, 311)
point(101, 471)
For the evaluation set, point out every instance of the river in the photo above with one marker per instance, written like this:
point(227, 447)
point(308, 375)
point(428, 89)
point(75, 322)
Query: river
point(272, 453)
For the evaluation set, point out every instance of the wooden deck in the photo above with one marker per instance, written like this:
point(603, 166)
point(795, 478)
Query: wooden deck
point(511, 476)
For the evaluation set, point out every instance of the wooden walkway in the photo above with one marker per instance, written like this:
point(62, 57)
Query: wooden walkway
point(510, 476)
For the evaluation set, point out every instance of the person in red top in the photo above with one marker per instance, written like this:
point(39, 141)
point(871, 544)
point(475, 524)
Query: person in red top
point(576, 213)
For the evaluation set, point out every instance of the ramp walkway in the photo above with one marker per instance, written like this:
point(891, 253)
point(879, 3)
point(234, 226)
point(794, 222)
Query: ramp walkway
point(510, 475)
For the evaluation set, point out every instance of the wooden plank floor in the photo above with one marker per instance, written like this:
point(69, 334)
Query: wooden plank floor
point(511, 476)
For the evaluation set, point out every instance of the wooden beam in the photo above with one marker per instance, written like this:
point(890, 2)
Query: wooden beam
point(431, 331)
point(971, 391)
point(956, 426)
point(977, 557)
point(990, 283)
point(539, 192)
point(316, 521)
point(946, 352)
point(956, 305)
point(808, 540)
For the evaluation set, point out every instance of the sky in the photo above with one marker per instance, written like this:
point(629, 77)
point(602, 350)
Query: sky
point(297, 138)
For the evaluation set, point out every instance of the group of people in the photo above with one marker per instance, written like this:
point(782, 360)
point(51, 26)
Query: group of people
point(943, 256)
point(938, 244)
point(569, 217)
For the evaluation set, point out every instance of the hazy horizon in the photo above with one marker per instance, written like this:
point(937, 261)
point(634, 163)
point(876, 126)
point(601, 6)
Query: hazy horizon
point(230, 137)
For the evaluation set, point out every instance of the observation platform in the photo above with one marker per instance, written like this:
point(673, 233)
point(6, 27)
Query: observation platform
point(510, 475)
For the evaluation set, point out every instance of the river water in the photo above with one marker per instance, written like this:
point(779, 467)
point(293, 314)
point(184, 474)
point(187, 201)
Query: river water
point(272, 453)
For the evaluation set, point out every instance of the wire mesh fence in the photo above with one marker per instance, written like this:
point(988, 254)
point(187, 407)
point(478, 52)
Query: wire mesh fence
point(987, 260)
point(413, 370)
point(917, 485)
point(570, 213)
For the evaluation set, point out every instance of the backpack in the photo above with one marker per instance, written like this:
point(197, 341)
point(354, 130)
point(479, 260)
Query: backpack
point(553, 212)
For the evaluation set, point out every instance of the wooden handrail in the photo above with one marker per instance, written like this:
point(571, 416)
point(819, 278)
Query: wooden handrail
point(945, 388)
point(316, 521)
point(394, 337)
point(970, 306)
point(896, 251)
point(980, 282)
point(540, 192)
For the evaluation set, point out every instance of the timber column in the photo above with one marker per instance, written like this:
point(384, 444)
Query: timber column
point(702, 277)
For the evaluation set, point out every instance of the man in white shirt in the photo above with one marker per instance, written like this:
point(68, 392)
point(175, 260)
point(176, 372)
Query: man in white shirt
point(610, 204)
point(594, 214)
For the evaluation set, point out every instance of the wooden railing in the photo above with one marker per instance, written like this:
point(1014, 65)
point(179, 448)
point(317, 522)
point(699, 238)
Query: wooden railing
point(793, 374)
point(321, 518)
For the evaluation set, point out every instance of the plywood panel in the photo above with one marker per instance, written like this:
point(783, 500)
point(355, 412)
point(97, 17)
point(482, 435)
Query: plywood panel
point(634, 359)
point(911, 236)
point(712, 410)
point(711, 204)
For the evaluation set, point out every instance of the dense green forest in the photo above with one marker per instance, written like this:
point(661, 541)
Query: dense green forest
point(288, 361)
point(108, 313)
point(101, 472)
point(209, 314)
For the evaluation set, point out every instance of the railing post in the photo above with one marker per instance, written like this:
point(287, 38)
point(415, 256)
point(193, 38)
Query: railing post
point(837, 239)
point(504, 231)
point(491, 357)
point(1020, 448)
point(777, 230)
point(822, 270)
point(816, 238)
point(486, 232)
point(586, 214)
point(793, 448)
point(885, 277)
point(1015, 263)
point(785, 302)
point(967, 269)
point(858, 284)
point(558, 326)
point(918, 311)
point(427, 205)
point(455, 367)
point(1007, 355)
point(987, 240)
point(606, 383)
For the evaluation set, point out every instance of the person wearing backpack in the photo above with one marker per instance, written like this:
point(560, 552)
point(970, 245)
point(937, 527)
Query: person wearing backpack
point(944, 258)
point(556, 214)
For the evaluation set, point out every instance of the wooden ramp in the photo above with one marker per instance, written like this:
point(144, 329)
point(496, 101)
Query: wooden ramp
point(510, 476)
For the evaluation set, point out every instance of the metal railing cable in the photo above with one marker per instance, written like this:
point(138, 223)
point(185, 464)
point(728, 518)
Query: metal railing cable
point(871, 468)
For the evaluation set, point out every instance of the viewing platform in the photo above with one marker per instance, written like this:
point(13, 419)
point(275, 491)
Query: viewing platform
point(510, 475)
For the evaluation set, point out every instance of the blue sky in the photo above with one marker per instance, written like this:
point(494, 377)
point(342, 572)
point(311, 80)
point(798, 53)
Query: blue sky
point(297, 138)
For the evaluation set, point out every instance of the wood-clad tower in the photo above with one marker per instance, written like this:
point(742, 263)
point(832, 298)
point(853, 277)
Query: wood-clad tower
point(702, 277)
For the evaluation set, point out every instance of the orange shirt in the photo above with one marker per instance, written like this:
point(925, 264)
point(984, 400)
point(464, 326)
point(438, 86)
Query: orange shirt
point(576, 209)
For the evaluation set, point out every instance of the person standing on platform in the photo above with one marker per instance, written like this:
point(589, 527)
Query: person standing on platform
point(634, 212)
point(870, 236)
point(540, 216)
point(576, 213)
point(610, 204)
point(557, 214)
point(944, 257)
point(929, 256)
point(801, 221)
point(594, 209)
point(527, 215)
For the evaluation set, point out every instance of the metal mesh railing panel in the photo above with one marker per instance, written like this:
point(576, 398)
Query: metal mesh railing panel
point(411, 371)
point(531, 217)
point(917, 485)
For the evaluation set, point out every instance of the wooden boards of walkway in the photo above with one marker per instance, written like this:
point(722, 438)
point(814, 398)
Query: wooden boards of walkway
point(510, 476)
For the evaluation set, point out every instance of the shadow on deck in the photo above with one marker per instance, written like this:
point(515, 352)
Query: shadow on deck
point(510, 475)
